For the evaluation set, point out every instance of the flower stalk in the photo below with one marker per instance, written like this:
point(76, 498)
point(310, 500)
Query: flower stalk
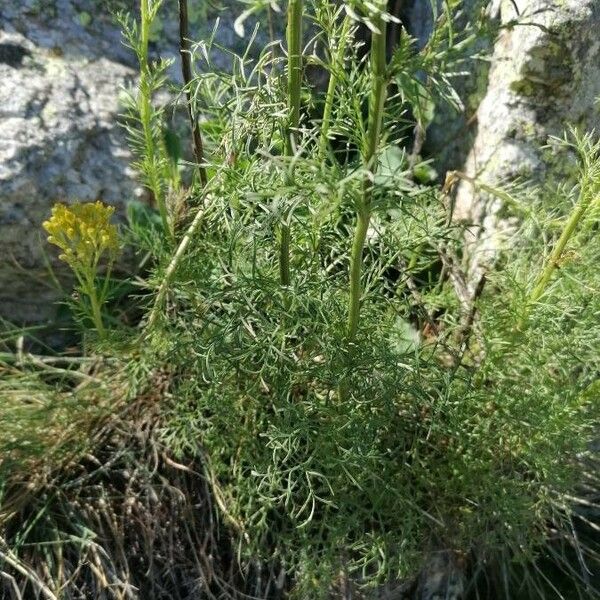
point(294, 42)
point(371, 144)
point(148, 13)
point(553, 260)
point(589, 195)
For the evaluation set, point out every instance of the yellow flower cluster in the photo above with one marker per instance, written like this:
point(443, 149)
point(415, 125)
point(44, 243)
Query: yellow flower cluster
point(84, 233)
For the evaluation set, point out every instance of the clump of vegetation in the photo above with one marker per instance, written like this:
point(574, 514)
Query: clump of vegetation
point(316, 400)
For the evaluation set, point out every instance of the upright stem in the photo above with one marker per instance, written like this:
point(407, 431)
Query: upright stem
point(145, 109)
point(186, 69)
point(360, 235)
point(96, 311)
point(552, 262)
point(337, 64)
point(145, 33)
point(294, 42)
point(376, 106)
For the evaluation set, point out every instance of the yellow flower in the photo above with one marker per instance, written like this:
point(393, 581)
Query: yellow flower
point(84, 233)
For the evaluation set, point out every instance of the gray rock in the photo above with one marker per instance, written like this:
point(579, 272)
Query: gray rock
point(453, 132)
point(62, 66)
point(59, 137)
point(59, 142)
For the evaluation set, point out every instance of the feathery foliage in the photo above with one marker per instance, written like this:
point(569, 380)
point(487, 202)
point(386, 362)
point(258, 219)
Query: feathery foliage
point(324, 410)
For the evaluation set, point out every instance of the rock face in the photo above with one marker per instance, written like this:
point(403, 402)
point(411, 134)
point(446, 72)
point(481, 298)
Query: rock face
point(545, 76)
point(62, 66)
point(59, 138)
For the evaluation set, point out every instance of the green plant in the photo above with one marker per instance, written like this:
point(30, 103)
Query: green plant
point(326, 436)
point(145, 126)
point(429, 441)
point(337, 436)
point(85, 234)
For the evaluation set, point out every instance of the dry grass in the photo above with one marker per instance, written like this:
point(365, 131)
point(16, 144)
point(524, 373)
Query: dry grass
point(106, 512)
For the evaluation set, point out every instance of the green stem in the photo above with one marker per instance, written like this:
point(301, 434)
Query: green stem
point(145, 33)
point(360, 235)
point(378, 92)
point(376, 106)
point(145, 110)
point(284, 251)
point(337, 64)
point(552, 262)
point(294, 42)
point(96, 310)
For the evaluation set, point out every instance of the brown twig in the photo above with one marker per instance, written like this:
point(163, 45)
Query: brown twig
point(467, 299)
point(418, 298)
point(186, 69)
point(467, 327)
point(457, 276)
point(418, 142)
point(516, 7)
